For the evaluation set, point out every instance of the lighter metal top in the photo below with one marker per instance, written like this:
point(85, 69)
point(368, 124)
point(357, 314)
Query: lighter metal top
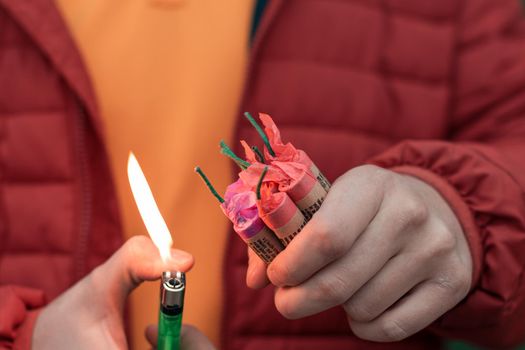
point(172, 289)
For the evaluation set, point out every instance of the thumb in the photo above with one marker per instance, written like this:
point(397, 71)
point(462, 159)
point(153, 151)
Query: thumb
point(138, 260)
point(190, 338)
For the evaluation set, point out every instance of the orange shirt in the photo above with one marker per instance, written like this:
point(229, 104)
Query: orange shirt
point(168, 76)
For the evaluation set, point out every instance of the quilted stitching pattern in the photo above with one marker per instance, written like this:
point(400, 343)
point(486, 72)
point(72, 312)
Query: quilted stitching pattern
point(37, 177)
point(375, 53)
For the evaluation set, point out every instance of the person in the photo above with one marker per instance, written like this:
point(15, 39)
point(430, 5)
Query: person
point(423, 242)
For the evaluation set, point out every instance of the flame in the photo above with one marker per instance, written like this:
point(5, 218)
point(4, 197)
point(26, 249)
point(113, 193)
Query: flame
point(155, 224)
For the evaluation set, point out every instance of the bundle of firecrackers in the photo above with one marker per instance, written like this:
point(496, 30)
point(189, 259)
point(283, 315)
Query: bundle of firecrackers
point(277, 192)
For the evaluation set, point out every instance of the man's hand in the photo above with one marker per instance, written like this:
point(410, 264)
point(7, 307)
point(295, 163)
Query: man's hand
point(89, 315)
point(387, 247)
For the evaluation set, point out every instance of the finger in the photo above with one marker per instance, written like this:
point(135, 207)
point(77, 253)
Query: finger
point(256, 277)
point(411, 314)
point(151, 335)
point(337, 282)
point(136, 261)
point(390, 284)
point(193, 339)
point(349, 207)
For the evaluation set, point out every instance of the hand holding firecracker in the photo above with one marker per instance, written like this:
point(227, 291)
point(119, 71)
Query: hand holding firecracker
point(385, 246)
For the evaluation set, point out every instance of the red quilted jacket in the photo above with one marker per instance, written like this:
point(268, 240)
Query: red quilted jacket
point(435, 89)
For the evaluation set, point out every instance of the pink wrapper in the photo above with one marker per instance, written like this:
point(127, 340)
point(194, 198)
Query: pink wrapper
point(240, 206)
point(250, 177)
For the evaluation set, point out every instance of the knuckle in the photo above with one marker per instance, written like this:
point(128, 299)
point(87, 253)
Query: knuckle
point(332, 290)
point(375, 171)
point(358, 171)
point(417, 210)
point(366, 172)
point(378, 176)
point(326, 241)
point(442, 241)
point(281, 275)
point(411, 210)
point(387, 178)
point(392, 331)
point(359, 312)
point(456, 283)
point(445, 283)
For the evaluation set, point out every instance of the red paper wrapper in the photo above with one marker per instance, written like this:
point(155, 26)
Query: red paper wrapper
point(280, 213)
point(293, 178)
point(287, 152)
point(249, 153)
point(303, 188)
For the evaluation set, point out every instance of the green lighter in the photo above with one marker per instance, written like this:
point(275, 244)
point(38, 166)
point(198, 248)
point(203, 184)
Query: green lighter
point(172, 288)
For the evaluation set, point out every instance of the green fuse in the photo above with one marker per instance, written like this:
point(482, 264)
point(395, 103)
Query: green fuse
point(173, 286)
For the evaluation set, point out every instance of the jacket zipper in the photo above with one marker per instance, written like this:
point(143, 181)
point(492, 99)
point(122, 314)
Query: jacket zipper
point(85, 192)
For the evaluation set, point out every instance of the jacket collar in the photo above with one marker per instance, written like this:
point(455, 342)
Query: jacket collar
point(271, 11)
point(43, 23)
